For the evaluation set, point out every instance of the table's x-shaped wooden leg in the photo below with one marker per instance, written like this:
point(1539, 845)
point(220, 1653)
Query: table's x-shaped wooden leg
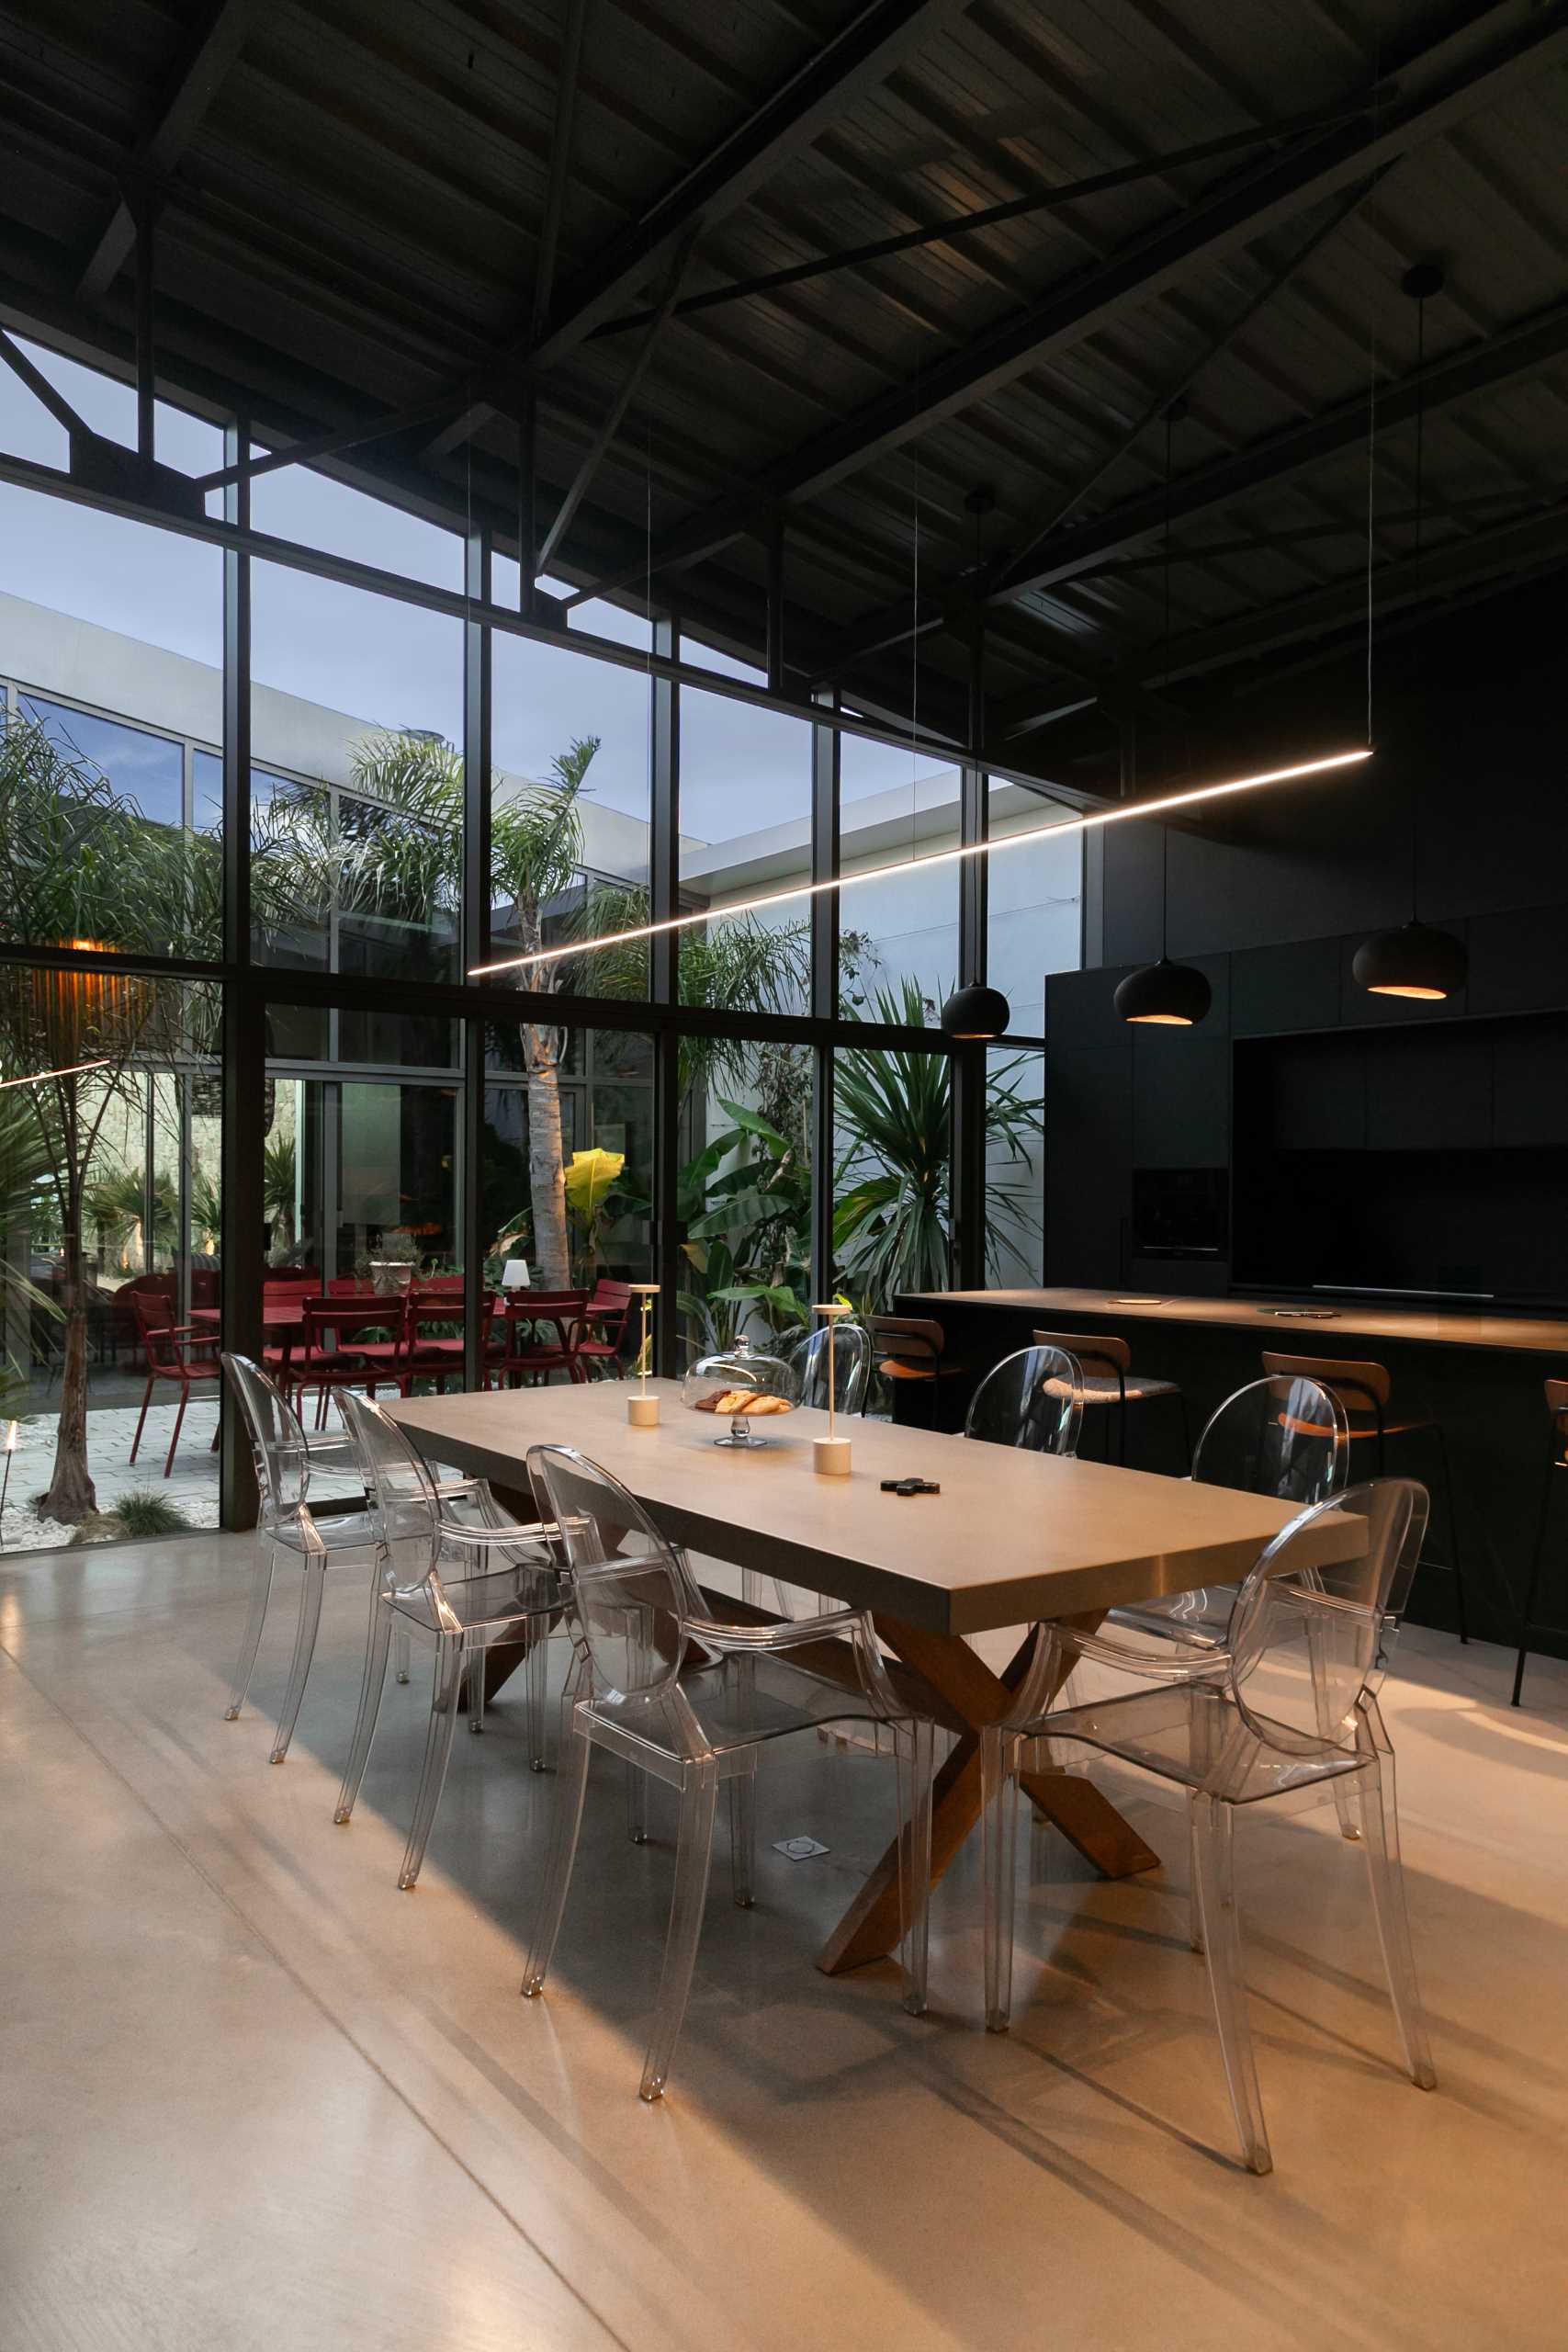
point(869, 1928)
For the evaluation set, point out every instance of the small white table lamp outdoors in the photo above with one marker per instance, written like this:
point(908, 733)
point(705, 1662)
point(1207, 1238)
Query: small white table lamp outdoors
point(515, 1274)
point(642, 1410)
point(830, 1454)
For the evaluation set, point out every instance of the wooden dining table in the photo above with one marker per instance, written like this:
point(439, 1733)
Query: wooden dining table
point(1013, 1537)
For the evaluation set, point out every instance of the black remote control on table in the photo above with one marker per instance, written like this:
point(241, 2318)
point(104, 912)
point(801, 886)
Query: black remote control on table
point(910, 1487)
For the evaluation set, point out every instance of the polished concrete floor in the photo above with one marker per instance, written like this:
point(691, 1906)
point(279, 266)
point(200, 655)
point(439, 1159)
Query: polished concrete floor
point(252, 2096)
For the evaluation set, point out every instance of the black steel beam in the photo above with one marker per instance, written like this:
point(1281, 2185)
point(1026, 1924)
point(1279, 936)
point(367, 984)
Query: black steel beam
point(217, 42)
point(1518, 352)
point(1500, 555)
point(991, 216)
point(611, 425)
point(1015, 567)
point(873, 46)
point(37, 383)
point(334, 440)
point(1457, 78)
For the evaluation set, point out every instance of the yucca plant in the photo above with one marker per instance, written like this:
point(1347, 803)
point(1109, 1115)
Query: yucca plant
point(893, 1204)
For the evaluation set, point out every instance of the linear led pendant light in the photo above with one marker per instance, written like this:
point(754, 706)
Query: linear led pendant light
point(795, 891)
point(37, 1077)
point(1165, 995)
point(1416, 960)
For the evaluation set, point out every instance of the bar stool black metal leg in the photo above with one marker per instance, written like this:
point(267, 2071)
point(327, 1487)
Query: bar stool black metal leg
point(1527, 1620)
point(1448, 1479)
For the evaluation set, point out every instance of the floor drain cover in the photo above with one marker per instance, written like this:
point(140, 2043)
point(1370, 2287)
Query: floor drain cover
point(797, 1849)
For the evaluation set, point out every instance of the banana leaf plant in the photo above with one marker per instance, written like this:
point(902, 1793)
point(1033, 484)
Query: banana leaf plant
point(745, 1202)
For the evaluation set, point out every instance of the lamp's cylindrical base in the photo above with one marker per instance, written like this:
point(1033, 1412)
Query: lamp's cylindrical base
point(642, 1412)
point(831, 1456)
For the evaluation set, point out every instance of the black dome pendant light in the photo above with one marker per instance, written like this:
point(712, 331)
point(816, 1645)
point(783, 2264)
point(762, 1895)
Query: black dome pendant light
point(1416, 960)
point(976, 1013)
point(1165, 995)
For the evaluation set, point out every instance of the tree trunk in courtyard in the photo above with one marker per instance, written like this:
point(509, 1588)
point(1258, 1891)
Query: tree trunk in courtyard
point(546, 1180)
point(71, 1494)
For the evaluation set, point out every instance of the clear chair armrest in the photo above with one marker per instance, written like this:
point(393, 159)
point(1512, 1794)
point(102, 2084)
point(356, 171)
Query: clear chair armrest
point(537, 1533)
point(778, 1634)
point(1173, 1661)
point(321, 1445)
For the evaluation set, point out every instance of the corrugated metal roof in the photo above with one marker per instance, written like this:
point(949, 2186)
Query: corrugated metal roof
point(354, 218)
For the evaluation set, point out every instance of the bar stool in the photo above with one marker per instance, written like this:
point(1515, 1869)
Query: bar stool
point(1364, 1390)
point(909, 1348)
point(1109, 1379)
point(1556, 1459)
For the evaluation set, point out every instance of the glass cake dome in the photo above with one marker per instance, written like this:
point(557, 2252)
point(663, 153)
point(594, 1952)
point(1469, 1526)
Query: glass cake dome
point(744, 1385)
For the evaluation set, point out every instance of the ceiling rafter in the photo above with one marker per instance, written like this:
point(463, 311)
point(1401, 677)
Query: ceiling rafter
point(1500, 554)
point(201, 73)
point(780, 129)
point(1447, 84)
point(1518, 352)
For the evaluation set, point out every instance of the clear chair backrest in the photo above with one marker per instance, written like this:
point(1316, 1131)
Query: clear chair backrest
point(1284, 1436)
point(632, 1591)
point(807, 1359)
point(405, 1506)
point(1034, 1399)
point(1307, 1631)
point(277, 1441)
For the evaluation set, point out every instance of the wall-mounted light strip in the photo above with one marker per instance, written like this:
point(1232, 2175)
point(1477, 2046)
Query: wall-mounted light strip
point(1087, 823)
point(37, 1076)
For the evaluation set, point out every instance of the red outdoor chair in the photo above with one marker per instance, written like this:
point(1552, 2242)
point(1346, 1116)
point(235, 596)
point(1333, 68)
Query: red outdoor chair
point(599, 1349)
point(431, 1350)
point(163, 1290)
point(288, 1293)
point(526, 1351)
point(336, 1352)
point(174, 1353)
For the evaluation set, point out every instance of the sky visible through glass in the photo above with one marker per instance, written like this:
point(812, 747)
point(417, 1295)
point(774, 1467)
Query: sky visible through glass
point(341, 650)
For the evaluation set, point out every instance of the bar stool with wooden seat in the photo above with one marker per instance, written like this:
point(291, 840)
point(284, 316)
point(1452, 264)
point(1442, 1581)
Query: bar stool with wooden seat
point(1109, 1379)
point(912, 1351)
point(1556, 1459)
point(1366, 1392)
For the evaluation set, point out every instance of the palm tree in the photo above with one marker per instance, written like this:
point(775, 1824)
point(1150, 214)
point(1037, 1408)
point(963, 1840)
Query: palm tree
point(409, 866)
point(81, 865)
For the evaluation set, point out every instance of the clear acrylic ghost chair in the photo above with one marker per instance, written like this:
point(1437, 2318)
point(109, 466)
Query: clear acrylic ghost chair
point(1290, 1706)
point(692, 1702)
point(1033, 1399)
point(807, 1360)
point(1284, 1436)
point(286, 1528)
point(465, 1584)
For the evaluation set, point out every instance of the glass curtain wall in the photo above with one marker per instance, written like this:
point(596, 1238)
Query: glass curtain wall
point(412, 1133)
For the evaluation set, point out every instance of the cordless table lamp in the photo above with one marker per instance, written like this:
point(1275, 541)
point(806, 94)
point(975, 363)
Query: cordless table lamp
point(830, 1454)
point(642, 1410)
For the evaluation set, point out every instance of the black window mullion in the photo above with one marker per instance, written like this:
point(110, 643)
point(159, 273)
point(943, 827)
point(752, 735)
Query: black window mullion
point(664, 986)
point(473, 933)
point(968, 1190)
point(825, 780)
